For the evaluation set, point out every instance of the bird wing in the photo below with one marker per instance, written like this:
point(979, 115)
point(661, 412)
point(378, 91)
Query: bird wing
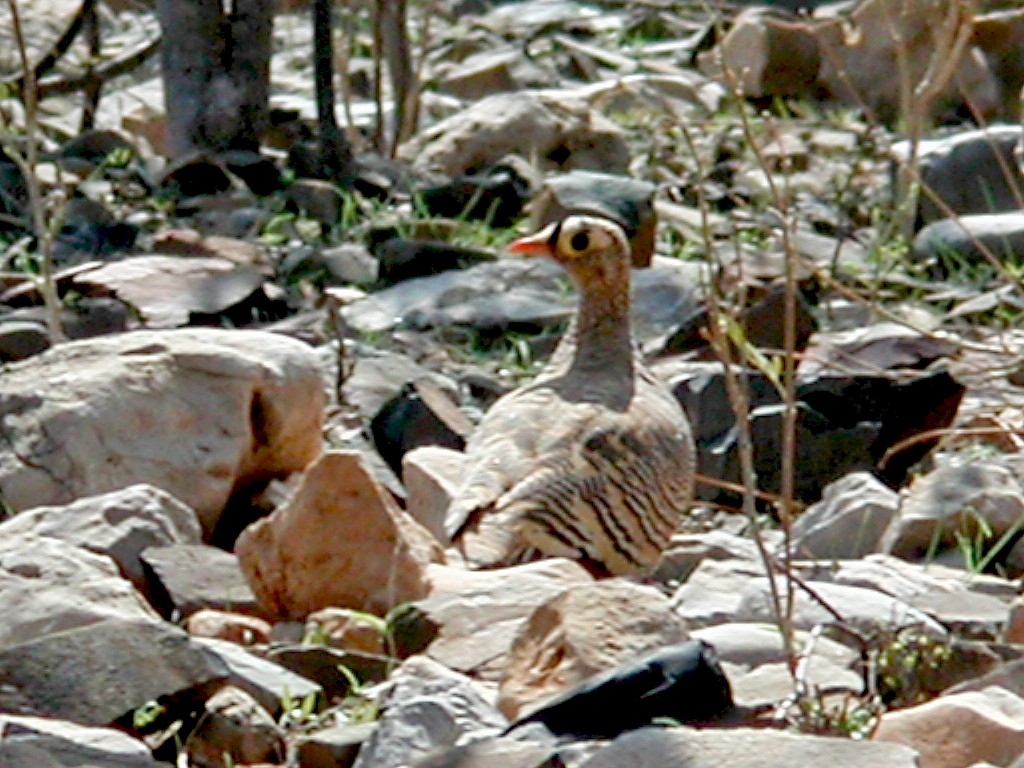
point(610, 490)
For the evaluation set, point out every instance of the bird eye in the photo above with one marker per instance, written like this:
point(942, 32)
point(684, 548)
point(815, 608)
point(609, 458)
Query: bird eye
point(580, 241)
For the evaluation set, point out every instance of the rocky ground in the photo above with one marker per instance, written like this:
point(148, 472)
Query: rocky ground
point(223, 541)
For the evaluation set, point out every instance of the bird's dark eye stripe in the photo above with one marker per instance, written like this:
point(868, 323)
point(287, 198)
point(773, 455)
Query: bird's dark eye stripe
point(580, 241)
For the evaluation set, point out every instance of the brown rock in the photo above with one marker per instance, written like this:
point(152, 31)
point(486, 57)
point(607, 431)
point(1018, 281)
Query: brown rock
point(340, 541)
point(960, 729)
point(1013, 631)
point(236, 627)
point(763, 55)
point(348, 630)
point(477, 613)
point(235, 725)
point(584, 630)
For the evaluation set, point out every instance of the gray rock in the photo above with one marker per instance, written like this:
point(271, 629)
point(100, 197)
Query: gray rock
point(427, 708)
point(566, 134)
point(189, 577)
point(949, 502)
point(866, 609)
point(686, 551)
point(48, 585)
point(714, 590)
point(970, 172)
point(36, 742)
point(120, 524)
point(197, 412)
point(269, 683)
point(848, 522)
point(98, 673)
point(947, 243)
point(518, 292)
point(742, 748)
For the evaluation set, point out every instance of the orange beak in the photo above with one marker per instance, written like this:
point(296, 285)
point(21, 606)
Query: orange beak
point(538, 244)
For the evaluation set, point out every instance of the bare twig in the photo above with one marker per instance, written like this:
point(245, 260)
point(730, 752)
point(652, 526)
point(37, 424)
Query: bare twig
point(27, 165)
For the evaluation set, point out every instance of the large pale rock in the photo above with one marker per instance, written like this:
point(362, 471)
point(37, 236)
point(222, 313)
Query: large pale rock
point(477, 613)
point(563, 134)
point(428, 707)
point(120, 524)
point(340, 541)
point(48, 585)
point(196, 412)
point(37, 742)
point(432, 474)
point(848, 521)
point(949, 502)
point(584, 630)
point(743, 748)
point(960, 729)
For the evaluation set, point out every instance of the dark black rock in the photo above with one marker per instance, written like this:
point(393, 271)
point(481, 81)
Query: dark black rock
point(496, 196)
point(259, 173)
point(683, 683)
point(20, 339)
point(195, 175)
point(421, 414)
point(844, 424)
point(402, 259)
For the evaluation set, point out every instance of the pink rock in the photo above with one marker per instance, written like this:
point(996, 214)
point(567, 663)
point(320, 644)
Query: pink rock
point(960, 729)
point(340, 541)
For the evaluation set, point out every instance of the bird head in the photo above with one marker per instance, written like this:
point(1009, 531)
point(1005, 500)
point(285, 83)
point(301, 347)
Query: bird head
point(577, 243)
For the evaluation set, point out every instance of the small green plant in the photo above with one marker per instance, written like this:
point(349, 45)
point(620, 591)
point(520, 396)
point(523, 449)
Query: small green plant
point(905, 665)
point(147, 714)
point(977, 542)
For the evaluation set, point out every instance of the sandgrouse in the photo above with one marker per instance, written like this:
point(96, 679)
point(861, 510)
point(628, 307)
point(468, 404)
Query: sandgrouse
point(593, 460)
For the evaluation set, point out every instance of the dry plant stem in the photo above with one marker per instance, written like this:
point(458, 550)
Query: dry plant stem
point(48, 287)
point(951, 37)
point(789, 359)
point(740, 404)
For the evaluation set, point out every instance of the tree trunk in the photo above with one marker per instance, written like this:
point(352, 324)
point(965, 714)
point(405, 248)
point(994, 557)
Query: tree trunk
point(216, 72)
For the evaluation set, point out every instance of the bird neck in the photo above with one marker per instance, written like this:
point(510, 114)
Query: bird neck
point(601, 327)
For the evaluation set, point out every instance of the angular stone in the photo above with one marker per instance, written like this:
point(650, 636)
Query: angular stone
point(560, 133)
point(476, 614)
point(186, 578)
point(36, 742)
point(584, 630)
point(340, 541)
point(92, 674)
point(969, 240)
point(975, 726)
point(235, 727)
point(849, 520)
point(119, 524)
point(48, 585)
point(950, 501)
point(763, 55)
point(686, 551)
point(432, 475)
point(971, 172)
point(197, 412)
point(270, 684)
point(743, 748)
point(221, 625)
point(428, 707)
